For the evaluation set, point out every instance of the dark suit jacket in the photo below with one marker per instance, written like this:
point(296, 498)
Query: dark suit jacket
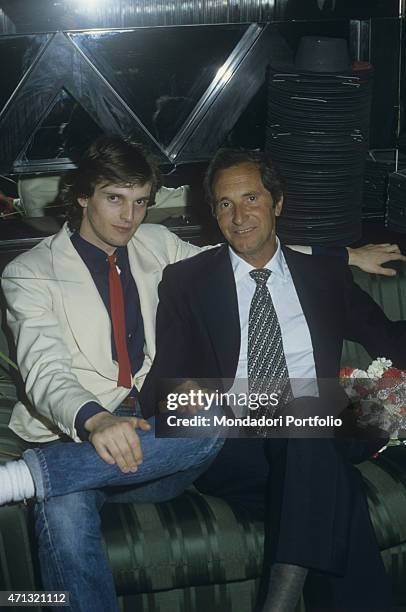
point(198, 329)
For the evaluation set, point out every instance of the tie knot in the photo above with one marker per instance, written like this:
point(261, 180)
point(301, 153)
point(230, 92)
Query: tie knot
point(260, 276)
point(112, 259)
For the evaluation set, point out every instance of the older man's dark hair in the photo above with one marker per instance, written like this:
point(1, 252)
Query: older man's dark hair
point(226, 158)
point(110, 160)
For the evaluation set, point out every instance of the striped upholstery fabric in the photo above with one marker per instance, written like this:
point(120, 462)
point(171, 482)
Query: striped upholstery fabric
point(190, 541)
point(17, 568)
point(228, 597)
point(11, 446)
point(385, 482)
point(183, 546)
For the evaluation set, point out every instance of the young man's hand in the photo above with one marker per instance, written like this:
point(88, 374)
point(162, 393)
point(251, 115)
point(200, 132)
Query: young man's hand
point(371, 257)
point(116, 440)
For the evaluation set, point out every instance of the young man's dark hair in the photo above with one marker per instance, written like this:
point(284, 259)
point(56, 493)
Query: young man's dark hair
point(111, 160)
point(226, 158)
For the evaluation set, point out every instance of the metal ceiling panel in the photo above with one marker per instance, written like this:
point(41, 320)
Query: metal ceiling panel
point(235, 84)
point(62, 65)
point(72, 79)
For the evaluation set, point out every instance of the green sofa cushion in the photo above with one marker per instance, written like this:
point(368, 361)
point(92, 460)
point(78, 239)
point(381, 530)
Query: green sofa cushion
point(390, 293)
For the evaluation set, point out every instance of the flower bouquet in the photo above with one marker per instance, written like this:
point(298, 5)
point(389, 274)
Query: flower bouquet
point(379, 397)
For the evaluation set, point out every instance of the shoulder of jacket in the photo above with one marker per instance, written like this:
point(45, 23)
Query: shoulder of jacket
point(153, 231)
point(196, 264)
point(323, 269)
point(34, 257)
point(305, 255)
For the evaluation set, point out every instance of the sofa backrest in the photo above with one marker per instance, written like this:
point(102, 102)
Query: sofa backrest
point(390, 293)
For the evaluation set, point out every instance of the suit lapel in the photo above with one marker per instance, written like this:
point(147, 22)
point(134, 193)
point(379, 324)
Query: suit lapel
point(319, 308)
point(85, 312)
point(216, 296)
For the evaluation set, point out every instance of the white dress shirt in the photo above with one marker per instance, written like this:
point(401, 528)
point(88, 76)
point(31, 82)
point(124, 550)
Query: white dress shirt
point(296, 338)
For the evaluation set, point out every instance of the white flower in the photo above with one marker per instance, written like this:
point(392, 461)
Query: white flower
point(359, 374)
point(378, 367)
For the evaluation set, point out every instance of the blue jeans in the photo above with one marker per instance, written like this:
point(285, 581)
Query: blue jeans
point(72, 484)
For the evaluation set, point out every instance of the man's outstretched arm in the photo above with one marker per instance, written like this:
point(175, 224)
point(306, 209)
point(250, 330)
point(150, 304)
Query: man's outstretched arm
point(371, 258)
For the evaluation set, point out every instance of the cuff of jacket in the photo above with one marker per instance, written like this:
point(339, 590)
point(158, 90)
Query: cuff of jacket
point(87, 410)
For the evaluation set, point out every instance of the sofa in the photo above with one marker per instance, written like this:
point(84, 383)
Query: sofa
point(197, 553)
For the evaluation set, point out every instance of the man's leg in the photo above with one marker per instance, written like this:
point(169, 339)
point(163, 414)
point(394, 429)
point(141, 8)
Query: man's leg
point(246, 458)
point(72, 557)
point(59, 469)
point(71, 553)
point(317, 508)
point(365, 585)
point(316, 515)
point(239, 475)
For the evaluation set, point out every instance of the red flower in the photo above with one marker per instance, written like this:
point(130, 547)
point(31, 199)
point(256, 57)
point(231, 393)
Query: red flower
point(346, 372)
point(392, 373)
point(386, 383)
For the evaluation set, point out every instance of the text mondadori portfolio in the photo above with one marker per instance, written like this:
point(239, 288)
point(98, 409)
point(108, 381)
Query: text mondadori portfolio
point(250, 421)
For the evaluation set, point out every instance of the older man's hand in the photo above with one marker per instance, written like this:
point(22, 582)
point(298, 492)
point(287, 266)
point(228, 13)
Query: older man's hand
point(371, 257)
point(116, 440)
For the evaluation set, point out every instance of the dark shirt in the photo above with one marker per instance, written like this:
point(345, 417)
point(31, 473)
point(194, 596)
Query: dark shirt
point(97, 264)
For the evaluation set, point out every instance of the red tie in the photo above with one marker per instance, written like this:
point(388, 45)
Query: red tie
point(118, 321)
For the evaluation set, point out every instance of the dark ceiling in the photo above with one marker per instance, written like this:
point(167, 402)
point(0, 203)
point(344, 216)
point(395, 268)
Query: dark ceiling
point(23, 16)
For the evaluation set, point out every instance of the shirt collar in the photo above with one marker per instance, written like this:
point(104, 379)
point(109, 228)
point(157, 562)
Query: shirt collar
point(95, 258)
point(241, 268)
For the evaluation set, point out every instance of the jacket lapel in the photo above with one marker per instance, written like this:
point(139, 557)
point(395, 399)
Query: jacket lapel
point(320, 308)
point(216, 296)
point(147, 272)
point(85, 312)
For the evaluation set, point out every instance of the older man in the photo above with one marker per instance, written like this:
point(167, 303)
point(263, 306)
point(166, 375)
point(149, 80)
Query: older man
point(257, 311)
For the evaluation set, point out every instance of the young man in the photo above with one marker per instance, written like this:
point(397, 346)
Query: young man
point(255, 311)
point(82, 308)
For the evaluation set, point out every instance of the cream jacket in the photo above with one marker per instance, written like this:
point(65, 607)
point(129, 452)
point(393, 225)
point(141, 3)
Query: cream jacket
point(62, 330)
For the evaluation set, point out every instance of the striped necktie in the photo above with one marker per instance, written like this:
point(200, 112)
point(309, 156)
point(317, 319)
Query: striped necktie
point(267, 369)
